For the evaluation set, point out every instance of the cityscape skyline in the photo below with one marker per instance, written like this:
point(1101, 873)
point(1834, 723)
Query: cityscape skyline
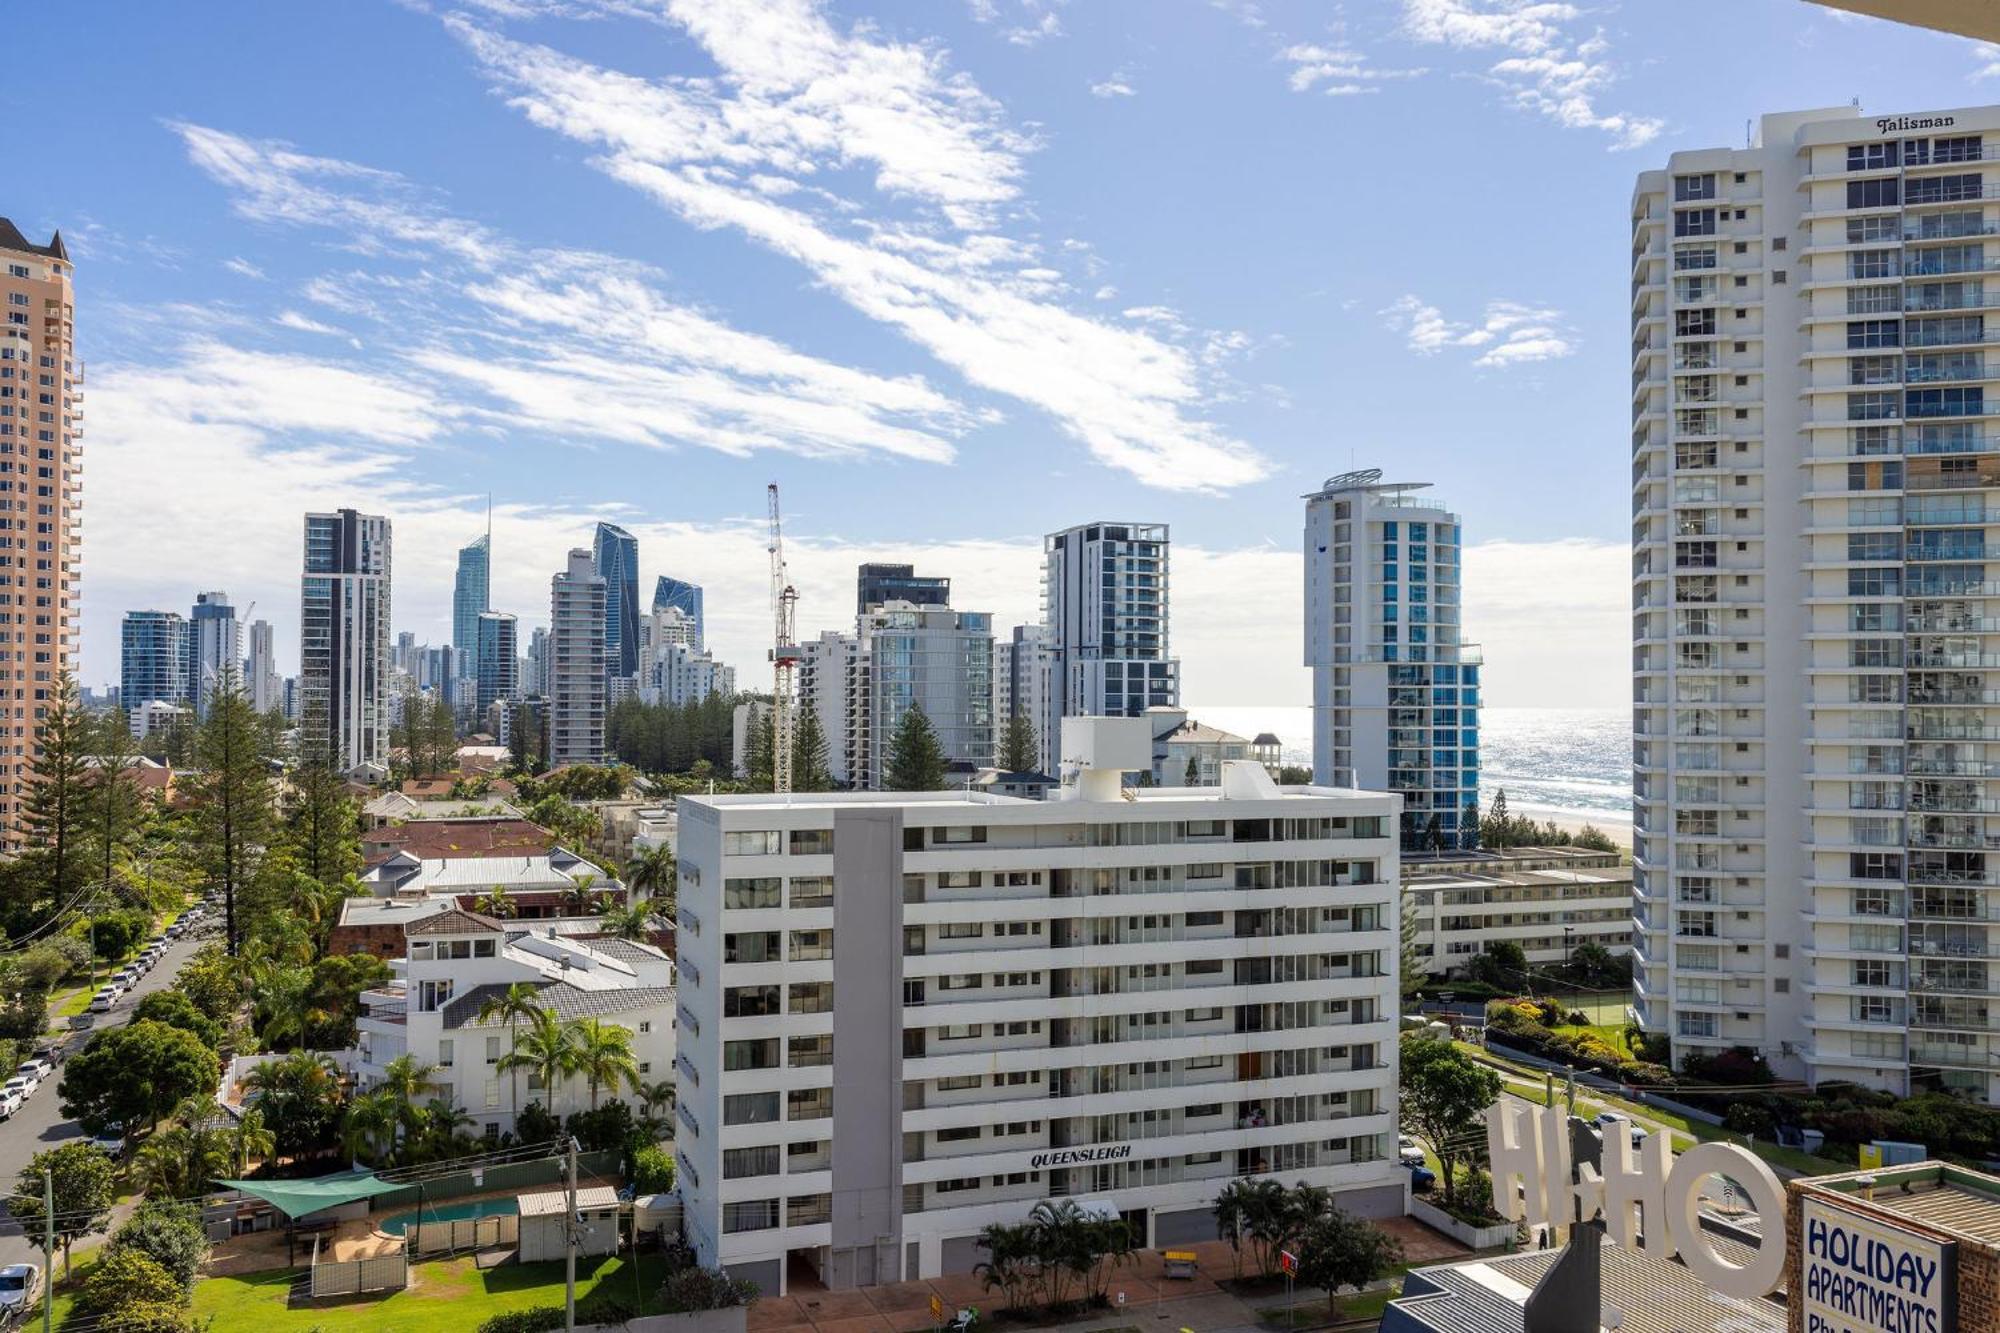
point(291, 266)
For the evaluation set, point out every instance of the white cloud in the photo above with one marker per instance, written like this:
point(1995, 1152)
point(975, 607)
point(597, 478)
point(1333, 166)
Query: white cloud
point(974, 298)
point(1548, 70)
point(1509, 333)
point(1344, 71)
point(292, 319)
point(243, 268)
point(569, 342)
point(1115, 86)
point(1988, 56)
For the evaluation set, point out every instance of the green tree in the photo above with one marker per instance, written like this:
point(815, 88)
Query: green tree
point(519, 1002)
point(322, 824)
point(604, 1056)
point(181, 1161)
point(84, 1186)
point(496, 903)
point(763, 744)
point(652, 873)
point(809, 763)
point(134, 1075)
point(1444, 1094)
point(546, 1048)
point(1019, 747)
point(114, 808)
point(176, 1010)
point(333, 998)
point(213, 980)
point(168, 1233)
point(125, 1278)
point(368, 1130)
point(251, 1139)
point(406, 1080)
point(1191, 775)
point(1337, 1249)
point(627, 921)
point(916, 760)
point(54, 810)
point(1502, 963)
point(231, 795)
point(301, 1099)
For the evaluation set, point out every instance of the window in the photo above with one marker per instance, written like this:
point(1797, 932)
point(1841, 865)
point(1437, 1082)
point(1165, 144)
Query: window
point(961, 930)
point(751, 893)
point(759, 1053)
point(959, 1134)
point(492, 1050)
point(1871, 156)
point(812, 891)
point(446, 1054)
point(809, 1103)
point(808, 1052)
point(812, 842)
point(749, 1001)
point(740, 1162)
point(750, 1108)
point(1694, 222)
point(811, 997)
point(1691, 188)
point(750, 1215)
point(1881, 193)
point(760, 842)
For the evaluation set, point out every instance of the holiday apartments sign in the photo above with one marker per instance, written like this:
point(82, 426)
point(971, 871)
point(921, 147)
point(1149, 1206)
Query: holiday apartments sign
point(1861, 1274)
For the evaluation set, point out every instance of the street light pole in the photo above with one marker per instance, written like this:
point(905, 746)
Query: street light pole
point(48, 1251)
point(569, 1247)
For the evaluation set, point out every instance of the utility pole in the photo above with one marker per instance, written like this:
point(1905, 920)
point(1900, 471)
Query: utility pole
point(569, 1247)
point(48, 1251)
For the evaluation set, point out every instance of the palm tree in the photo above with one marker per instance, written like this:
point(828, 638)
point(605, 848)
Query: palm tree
point(547, 1050)
point(495, 903)
point(630, 921)
point(370, 1128)
point(179, 1162)
point(250, 1139)
point(651, 874)
point(517, 1002)
point(438, 1137)
point(655, 1095)
point(604, 1056)
point(299, 1097)
point(404, 1080)
point(578, 898)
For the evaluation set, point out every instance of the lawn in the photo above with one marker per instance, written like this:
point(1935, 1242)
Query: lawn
point(446, 1296)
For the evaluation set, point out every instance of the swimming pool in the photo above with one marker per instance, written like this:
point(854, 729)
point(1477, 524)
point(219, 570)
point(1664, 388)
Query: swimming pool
point(398, 1223)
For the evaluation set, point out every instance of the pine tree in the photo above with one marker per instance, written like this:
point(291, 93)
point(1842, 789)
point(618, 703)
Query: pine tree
point(442, 740)
point(763, 744)
point(54, 812)
point(231, 795)
point(1019, 747)
point(916, 760)
point(809, 767)
point(1191, 775)
point(322, 828)
point(114, 805)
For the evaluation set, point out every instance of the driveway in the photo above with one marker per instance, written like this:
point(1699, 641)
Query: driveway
point(40, 1123)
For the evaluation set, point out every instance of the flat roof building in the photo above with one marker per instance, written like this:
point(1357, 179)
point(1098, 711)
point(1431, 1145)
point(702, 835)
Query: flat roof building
point(1128, 997)
point(1548, 900)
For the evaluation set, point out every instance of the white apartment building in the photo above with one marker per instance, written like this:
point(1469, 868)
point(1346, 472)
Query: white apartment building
point(1395, 691)
point(678, 674)
point(1814, 618)
point(1025, 677)
point(455, 961)
point(575, 663)
point(1127, 997)
point(901, 656)
point(1104, 611)
point(1548, 900)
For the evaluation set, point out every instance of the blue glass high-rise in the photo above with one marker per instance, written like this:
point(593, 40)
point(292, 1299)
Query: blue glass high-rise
point(471, 595)
point(684, 597)
point(615, 559)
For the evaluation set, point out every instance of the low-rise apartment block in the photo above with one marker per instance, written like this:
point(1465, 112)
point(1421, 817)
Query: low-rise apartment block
point(455, 961)
point(1125, 996)
point(1548, 900)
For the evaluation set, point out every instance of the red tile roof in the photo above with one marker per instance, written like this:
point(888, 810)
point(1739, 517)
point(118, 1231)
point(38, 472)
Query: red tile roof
point(450, 839)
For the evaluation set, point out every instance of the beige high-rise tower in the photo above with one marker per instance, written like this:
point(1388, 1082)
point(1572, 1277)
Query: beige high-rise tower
point(41, 417)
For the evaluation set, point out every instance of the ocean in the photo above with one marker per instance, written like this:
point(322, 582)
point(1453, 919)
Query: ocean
point(1572, 763)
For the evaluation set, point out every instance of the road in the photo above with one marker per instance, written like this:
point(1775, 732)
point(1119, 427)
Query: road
point(40, 1123)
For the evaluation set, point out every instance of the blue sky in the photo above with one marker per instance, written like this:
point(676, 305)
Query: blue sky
point(953, 273)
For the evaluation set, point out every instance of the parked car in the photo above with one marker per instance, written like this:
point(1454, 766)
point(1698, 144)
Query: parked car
point(101, 1002)
point(1606, 1120)
point(20, 1285)
point(40, 1067)
point(1409, 1151)
point(9, 1103)
point(111, 1141)
point(21, 1086)
point(1421, 1176)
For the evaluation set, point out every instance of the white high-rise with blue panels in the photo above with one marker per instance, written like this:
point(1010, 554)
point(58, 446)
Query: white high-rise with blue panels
point(1395, 692)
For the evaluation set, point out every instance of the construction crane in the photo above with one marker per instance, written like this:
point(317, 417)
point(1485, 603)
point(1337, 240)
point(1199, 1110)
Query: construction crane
point(784, 652)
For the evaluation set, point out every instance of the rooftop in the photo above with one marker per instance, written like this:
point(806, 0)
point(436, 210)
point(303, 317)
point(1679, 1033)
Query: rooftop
point(1959, 1202)
point(564, 1000)
point(390, 911)
point(1651, 1296)
point(454, 921)
point(462, 836)
point(974, 800)
point(12, 239)
point(554, 1203)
